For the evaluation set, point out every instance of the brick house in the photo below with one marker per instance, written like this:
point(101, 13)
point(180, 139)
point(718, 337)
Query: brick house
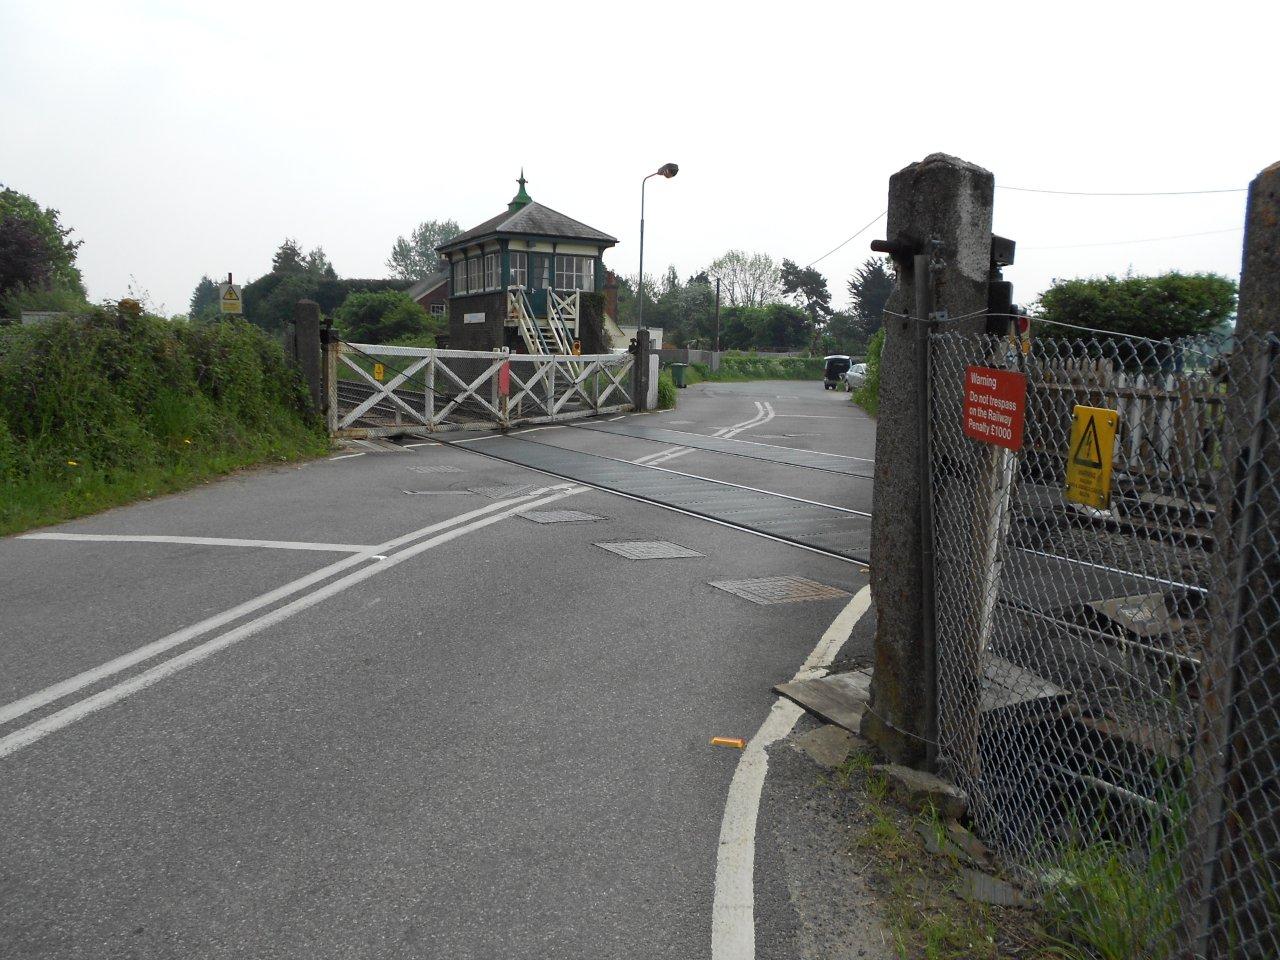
point(432, 293)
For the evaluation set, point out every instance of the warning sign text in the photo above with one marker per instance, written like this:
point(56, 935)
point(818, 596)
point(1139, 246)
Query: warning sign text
point(994, 403)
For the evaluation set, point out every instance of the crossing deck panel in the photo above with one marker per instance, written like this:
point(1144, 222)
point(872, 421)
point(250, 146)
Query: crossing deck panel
point(814, 460)
point(822, 526)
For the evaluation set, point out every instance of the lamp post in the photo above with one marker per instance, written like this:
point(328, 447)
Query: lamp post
point(667, 170)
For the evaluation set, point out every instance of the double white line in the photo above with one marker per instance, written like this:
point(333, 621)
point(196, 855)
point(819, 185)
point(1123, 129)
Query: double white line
point(764, 413)
point(375, 559)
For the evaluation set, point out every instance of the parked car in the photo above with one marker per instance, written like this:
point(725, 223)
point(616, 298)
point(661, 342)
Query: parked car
point(855, 376)
point(834, 370)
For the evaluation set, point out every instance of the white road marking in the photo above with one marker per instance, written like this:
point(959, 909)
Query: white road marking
point(557, 426)
point(347, 456)
point(490, 436)
point(68, 715)
point(733, 925)
point(653, 465)
point(425, 443)
point(766, 414)
point(71, 685)
point(661, 454)
point(776, 446)
point(614, 419)
point(202, 541)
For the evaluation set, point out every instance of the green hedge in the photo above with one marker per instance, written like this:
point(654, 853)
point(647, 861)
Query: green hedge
point(747, 366)
point(106, 407)
point(867, 396)
point(666, 390)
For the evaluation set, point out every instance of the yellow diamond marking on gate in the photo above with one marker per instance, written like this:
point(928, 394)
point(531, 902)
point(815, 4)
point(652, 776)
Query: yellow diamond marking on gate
point(1093, 438)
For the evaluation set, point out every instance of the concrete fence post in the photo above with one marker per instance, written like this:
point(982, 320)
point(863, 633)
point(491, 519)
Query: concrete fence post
point(305, 350)
point(939, 208)
point(1233, 829)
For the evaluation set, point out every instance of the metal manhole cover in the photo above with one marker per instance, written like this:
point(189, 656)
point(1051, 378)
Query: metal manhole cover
point(779, 589)
point(648, 550)
point(501, 493)
point(435, 468)
point(558, 516)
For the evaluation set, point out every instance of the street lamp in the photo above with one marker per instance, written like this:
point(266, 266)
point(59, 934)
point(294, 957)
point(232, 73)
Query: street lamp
point(667, 170)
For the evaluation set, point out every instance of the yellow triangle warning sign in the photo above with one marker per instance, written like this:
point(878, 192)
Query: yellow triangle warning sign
point(1093, 439)
point(1087, 452)
point(230, 299)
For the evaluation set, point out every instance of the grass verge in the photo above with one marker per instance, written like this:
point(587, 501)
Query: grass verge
point(922, 893)
point(104, 407)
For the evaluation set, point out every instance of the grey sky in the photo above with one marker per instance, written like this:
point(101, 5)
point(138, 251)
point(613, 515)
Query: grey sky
point(188, 138)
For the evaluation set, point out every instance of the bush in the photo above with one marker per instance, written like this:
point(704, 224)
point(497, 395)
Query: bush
point(384, 317)
point(666, 391)
point(867, 396)
point(103, 407)
point(765, 367)
point(1169, 306)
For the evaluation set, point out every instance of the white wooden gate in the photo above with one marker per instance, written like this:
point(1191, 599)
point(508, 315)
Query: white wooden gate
point(381, 391)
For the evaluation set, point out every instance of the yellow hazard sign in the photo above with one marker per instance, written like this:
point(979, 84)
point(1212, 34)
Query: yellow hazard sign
point(379, 371)
point(229, 300)
point(1093, 440)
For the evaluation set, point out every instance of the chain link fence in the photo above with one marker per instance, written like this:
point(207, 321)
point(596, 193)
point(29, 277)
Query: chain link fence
point(1109, 673)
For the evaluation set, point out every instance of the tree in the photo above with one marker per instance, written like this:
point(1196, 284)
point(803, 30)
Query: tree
point(415, 258)
point(204, 301)
point(807, 289)
point(317, 264)
point(383, 317)
point(784, 328)
point(1168, 306)
point(288, 259)
point(869, 290)
point(776, 326)
point(747, 280)
point(35, 254)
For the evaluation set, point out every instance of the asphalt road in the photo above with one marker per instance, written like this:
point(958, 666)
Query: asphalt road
point(442, 737)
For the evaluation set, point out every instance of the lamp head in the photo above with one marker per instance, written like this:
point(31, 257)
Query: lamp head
point(668, 170)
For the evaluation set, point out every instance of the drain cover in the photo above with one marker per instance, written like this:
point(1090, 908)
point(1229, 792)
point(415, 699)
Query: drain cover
point(501, 493)
point(779, 589)
point(648, 550)
point(558, 516)
point(435, 468)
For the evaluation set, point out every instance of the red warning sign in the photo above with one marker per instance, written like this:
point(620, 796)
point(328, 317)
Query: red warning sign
point(504, 379)
point(994, 404)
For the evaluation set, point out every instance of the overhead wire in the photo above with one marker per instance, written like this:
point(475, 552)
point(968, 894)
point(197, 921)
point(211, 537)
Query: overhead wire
point(851, 239)
point(1121, 193)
